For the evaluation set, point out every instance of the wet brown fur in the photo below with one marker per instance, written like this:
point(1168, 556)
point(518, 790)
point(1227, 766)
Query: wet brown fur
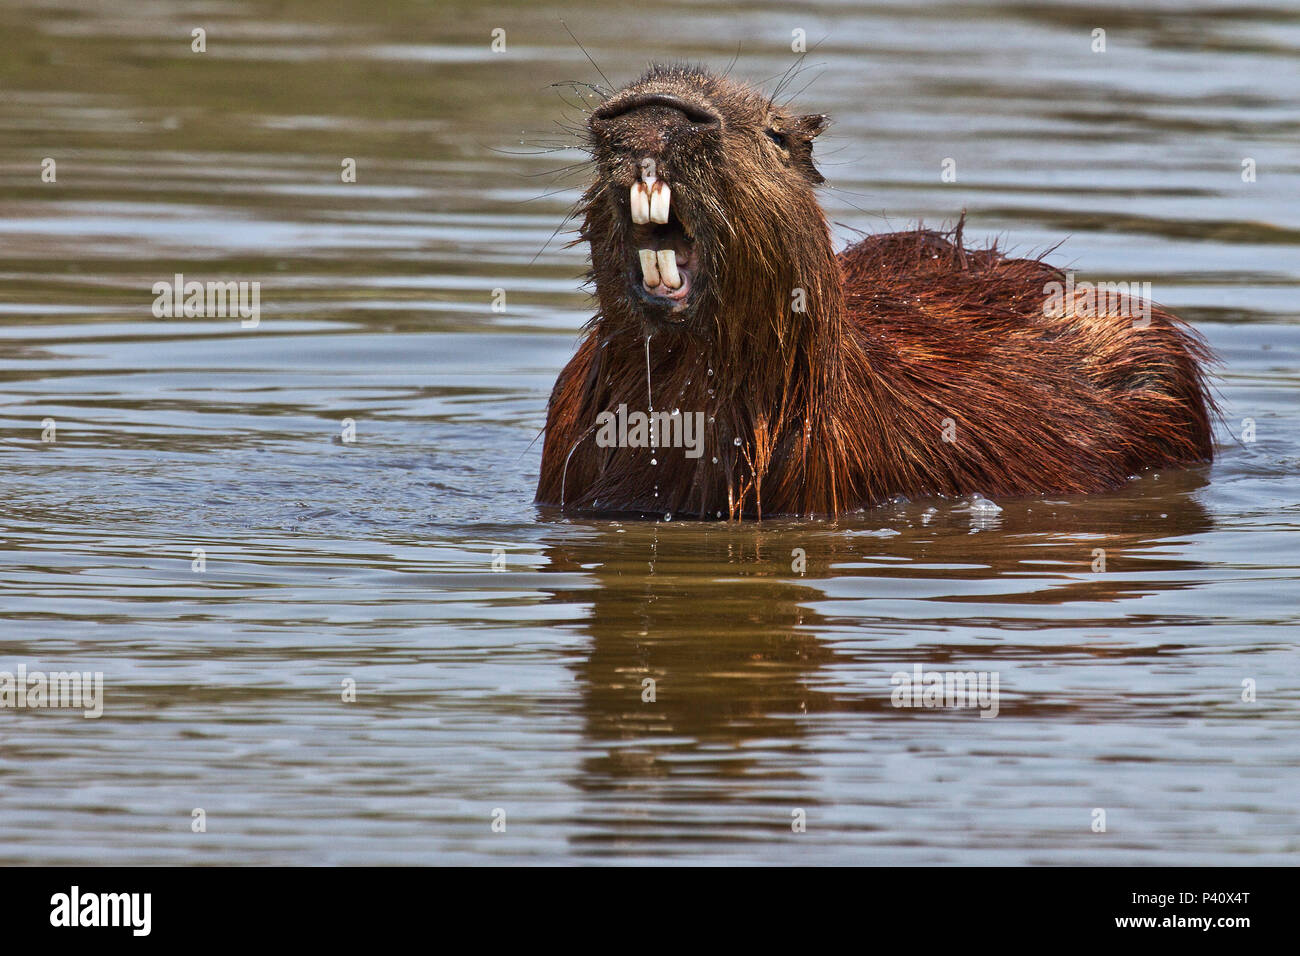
point(905, 337)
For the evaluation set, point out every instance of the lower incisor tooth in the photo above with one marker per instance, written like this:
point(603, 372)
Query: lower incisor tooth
point(640, 204)
point(650, 267)
point(660, 194)
point(666, 259)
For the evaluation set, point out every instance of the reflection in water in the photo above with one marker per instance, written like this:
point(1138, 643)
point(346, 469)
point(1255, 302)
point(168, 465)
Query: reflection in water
point(715, 618)
point(707, 615)
point(723, 619)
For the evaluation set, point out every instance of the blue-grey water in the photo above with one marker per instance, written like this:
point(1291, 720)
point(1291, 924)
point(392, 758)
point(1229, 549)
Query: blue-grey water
point(182, 512)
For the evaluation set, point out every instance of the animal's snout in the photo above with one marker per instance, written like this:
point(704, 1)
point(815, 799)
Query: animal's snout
point(694, 113)
point(651, 128)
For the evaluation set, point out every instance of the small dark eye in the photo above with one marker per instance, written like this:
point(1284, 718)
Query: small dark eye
point(778, 138)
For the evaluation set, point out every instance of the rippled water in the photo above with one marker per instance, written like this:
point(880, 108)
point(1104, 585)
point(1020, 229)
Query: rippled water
point(371, 561)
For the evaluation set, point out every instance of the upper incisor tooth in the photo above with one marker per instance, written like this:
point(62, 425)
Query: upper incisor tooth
point(659, 197)
point(666, 259)
point(640, 204)
point(649, 267)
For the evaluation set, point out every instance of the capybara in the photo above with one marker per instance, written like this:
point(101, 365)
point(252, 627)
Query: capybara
point(736, 366)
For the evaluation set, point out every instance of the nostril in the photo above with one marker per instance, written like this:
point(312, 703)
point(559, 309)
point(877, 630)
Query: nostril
point(696, 113)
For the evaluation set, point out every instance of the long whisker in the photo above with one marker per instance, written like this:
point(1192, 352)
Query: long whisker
point(587, 55)
point(555, 232)
point(730, 66)
point(796, 95)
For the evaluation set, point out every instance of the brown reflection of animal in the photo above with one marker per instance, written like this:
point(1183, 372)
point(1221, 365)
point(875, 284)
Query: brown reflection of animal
point(908, 364)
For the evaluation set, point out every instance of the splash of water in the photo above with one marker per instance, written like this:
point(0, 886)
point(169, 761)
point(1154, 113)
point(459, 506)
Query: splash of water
point(649, 395)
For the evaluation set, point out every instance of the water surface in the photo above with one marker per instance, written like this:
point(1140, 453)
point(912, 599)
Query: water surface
point(371, 561)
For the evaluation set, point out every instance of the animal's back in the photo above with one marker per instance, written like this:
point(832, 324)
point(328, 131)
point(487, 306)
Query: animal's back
point(1005, 394)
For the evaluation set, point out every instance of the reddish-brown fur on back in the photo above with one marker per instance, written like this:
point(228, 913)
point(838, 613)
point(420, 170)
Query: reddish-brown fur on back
point(913, 365)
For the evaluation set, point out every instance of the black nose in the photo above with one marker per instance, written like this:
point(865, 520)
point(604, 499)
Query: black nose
point(694, 112)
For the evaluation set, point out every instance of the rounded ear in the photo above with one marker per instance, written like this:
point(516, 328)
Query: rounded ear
point(811, 124)
point(806, 129)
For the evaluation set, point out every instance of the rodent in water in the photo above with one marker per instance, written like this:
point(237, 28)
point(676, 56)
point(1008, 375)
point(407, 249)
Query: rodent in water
point(906, 365)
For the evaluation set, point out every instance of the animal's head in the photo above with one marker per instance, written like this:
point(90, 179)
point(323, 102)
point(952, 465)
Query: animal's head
point(702, 204)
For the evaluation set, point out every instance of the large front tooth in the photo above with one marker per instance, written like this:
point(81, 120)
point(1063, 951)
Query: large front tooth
point(666, 260)
point(640, 204)
point(659, 196)
point(650, 267)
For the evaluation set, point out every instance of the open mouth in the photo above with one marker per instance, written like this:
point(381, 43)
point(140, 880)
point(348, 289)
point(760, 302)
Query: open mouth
point(666, 260)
